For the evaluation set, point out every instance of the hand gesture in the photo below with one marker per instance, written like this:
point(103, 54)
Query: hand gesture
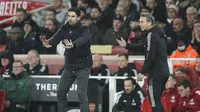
point(46, 43)
point(68, 44)
point(140, 77)
point(122, 42)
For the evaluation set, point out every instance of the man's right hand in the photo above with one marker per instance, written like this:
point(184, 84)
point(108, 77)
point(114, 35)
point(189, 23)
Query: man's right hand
point(122, 42)
point(46, 43)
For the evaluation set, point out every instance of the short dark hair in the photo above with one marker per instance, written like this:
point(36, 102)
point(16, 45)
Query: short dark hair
point(185, 83)
point(130, 79)
point(149, 17)
point(125, 55)
point(51, 10)
point(18, 61)
point(21, 10)
point(76, 10)
point(97, 7)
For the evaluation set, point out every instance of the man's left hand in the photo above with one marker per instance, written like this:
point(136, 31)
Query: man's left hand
point(68, 44)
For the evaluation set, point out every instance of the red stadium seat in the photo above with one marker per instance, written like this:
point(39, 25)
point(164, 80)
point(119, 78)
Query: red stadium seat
point(146, 107)
point(193, 75)
point(119, 50)
point(2, 99)
point(138, 65)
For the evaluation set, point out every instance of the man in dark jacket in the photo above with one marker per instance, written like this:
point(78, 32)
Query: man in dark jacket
point(131, 98)
point(75, 38)
point(155, 63)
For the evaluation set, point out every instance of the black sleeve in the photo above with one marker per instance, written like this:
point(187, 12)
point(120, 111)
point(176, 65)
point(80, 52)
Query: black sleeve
point(150, 52)
point(119, 105)
point(102, 82)
point(84, 38)
point(135, 47)
point(56, 38)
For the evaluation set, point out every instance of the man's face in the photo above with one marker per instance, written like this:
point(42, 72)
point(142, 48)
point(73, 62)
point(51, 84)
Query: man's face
point(5, 61)
point(97, 61)
point(183, 91)
point(17, 68)
point(15, 36)
point(168, 3)
point(125, 3)
point(197, 27)
point(171, 13)
point(120, 11)
point(117, 24)
point(57, 3)
point(32, 58)
point(170, 83)
point(122, 62)
point(27, 28)
point(50, 25)
point(50, 15)
point(72, 18)
point(144, 24)
point(151, 4)
point(103, 4)
point(95, 13)
point(177, 26)
point(191, 15)
point(128, 86)
point(20, 16)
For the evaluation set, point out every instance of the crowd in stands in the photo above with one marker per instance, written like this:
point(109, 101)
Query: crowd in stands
point(108, 20)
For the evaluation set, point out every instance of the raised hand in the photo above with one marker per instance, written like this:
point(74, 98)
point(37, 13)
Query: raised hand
point(122, 42)
point(68, 44)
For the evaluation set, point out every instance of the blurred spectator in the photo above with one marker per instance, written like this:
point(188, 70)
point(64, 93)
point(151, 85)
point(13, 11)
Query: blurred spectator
point(96, 35)
point(61, 11)
point(181, 31)
point(48, 14)
point(129, 100)
point(191, 15)
point(189, 100)
point(51, 25)
point(157, 11)
point(180, 72)
point(184, 50)
point(94, 85)
point(169, 2)
point(3, 40)
point(197, 66)
point(85, 4)
point(145, 9)
point(17, 89)
point(117, 32)
point(171, 94)
point(172, 13)
point(195, 42)
point(95, 13)
point(124, 69)
point(45, 34)
point(34, 66)
point(7, 59)
point(83, 12)
point(120, 11)
point(23, 16)
point(16, 42)
point(104, 22)
point(130, 9)
point(30, 36)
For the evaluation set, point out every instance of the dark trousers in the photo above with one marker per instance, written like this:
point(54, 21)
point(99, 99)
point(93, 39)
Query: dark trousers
point(155, 89)
point(66, 81)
